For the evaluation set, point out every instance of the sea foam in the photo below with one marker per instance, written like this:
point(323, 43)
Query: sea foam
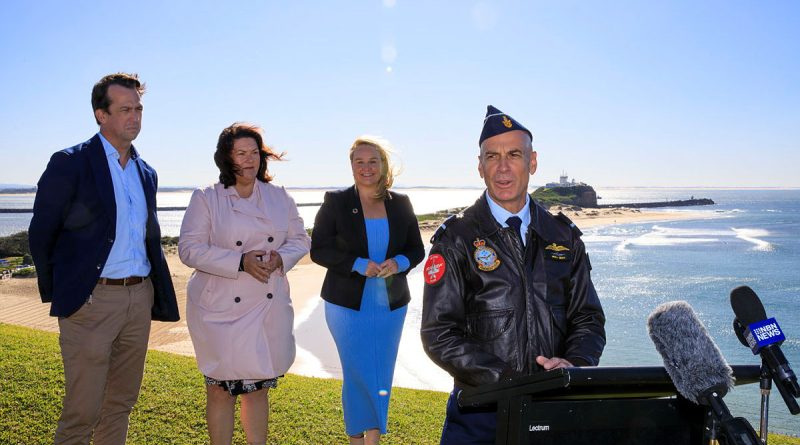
point(669, 236)
point(753, 236)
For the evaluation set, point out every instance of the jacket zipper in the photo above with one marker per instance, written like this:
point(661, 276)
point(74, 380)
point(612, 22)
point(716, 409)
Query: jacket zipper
point(521, 268)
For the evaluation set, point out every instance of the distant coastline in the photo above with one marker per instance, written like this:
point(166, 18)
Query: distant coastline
point(19, 189)
point(650, 205)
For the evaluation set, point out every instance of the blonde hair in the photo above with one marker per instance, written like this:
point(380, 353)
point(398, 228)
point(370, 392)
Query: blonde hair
point(388, 171)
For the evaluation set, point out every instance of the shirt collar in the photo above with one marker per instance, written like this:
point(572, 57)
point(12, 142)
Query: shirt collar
point(111, 151)
point(231, 191)
point(501, 215)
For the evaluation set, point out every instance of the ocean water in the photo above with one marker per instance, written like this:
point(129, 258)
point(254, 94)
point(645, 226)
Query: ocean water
point(424, 200)
point(750, 237)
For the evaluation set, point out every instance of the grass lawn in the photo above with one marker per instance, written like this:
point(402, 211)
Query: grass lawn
point(171, 408)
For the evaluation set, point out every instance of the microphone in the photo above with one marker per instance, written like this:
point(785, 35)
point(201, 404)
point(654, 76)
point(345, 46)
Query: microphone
point(696, 366)
point(763, 336)
point(692, 360)
point(738, 329)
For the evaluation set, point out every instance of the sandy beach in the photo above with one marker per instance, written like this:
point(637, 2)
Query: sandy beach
point(316, 352)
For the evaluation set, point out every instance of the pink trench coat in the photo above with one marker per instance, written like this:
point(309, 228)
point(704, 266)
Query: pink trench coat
point(240, 328)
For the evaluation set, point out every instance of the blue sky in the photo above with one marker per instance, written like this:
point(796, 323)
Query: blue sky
point(617, 93)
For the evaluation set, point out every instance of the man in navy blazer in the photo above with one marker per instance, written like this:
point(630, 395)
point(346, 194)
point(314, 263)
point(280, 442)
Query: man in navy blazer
point(95, 241)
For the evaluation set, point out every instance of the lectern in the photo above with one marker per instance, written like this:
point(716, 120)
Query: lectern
point(604, 405)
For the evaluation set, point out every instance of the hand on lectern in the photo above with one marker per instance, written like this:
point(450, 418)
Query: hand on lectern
point(553, 363)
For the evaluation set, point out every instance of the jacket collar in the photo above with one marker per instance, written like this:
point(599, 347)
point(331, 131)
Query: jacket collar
point(355, 202)
point(482, 213)
point(356, 213)
point(357, 217)
point(539, 216)
point(254, 207)
point(487, 225)
point(102, 174)
point(110, 150)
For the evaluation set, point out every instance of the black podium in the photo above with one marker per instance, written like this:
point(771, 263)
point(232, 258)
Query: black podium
point(606, 405)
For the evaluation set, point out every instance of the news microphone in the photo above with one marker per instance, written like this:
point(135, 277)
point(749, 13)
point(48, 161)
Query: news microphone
point(692, 360)
point(764, 337)
point(696, 366)
point(739, 328)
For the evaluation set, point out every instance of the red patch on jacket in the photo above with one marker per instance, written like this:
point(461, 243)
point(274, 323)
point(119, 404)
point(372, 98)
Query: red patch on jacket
point(434, 269)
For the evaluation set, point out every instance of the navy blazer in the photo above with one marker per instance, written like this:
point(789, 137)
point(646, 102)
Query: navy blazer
point(74, 225)
point(340, 237)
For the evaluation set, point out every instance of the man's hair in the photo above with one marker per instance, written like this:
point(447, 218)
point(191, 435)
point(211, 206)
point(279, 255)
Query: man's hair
point(100, 99)
point(388, 170)
point(224, 159)
point(529, 145)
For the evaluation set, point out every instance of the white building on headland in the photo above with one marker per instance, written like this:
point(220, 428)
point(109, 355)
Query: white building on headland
point(563, 181)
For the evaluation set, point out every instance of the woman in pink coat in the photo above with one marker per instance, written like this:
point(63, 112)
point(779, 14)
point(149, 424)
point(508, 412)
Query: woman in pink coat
point(241, 236)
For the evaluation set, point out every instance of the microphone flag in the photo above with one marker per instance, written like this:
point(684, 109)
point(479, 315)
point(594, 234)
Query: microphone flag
point(762, 334)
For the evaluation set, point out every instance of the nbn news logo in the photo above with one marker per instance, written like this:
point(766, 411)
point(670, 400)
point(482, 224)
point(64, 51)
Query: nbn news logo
point(764, 333)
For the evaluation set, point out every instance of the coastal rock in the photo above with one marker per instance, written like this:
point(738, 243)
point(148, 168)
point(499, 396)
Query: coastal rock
point(577, 195)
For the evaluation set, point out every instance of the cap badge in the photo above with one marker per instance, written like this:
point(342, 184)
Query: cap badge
point(507, 122)
point(485, 257)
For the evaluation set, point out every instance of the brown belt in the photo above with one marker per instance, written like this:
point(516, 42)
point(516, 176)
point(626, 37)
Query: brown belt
point(129, 281)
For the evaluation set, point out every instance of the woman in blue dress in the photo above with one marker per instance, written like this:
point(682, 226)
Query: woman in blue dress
point(368, 238)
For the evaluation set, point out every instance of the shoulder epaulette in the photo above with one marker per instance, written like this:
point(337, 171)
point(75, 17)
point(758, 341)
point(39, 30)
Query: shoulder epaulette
point(563, 218)
point(443, 227)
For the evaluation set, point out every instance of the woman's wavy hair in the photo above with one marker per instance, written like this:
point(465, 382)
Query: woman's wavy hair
point(388, 170)
point(224, 159)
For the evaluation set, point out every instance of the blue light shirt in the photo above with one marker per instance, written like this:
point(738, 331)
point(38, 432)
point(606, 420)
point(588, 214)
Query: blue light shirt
point(501, 215)
point(378, 235)
point(128, 257)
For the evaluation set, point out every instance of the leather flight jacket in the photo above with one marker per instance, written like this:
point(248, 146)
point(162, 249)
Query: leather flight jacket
point(491, 306)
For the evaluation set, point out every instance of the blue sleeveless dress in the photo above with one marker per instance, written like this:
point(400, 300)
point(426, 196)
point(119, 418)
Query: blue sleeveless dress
point(368, 341)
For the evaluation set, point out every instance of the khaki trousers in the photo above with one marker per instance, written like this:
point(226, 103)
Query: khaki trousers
point(103, 346)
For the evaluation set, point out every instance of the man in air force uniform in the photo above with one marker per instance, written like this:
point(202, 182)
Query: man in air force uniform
point(507, 285)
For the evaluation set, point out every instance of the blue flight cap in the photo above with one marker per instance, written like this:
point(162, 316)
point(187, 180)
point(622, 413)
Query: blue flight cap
point(496, 122)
